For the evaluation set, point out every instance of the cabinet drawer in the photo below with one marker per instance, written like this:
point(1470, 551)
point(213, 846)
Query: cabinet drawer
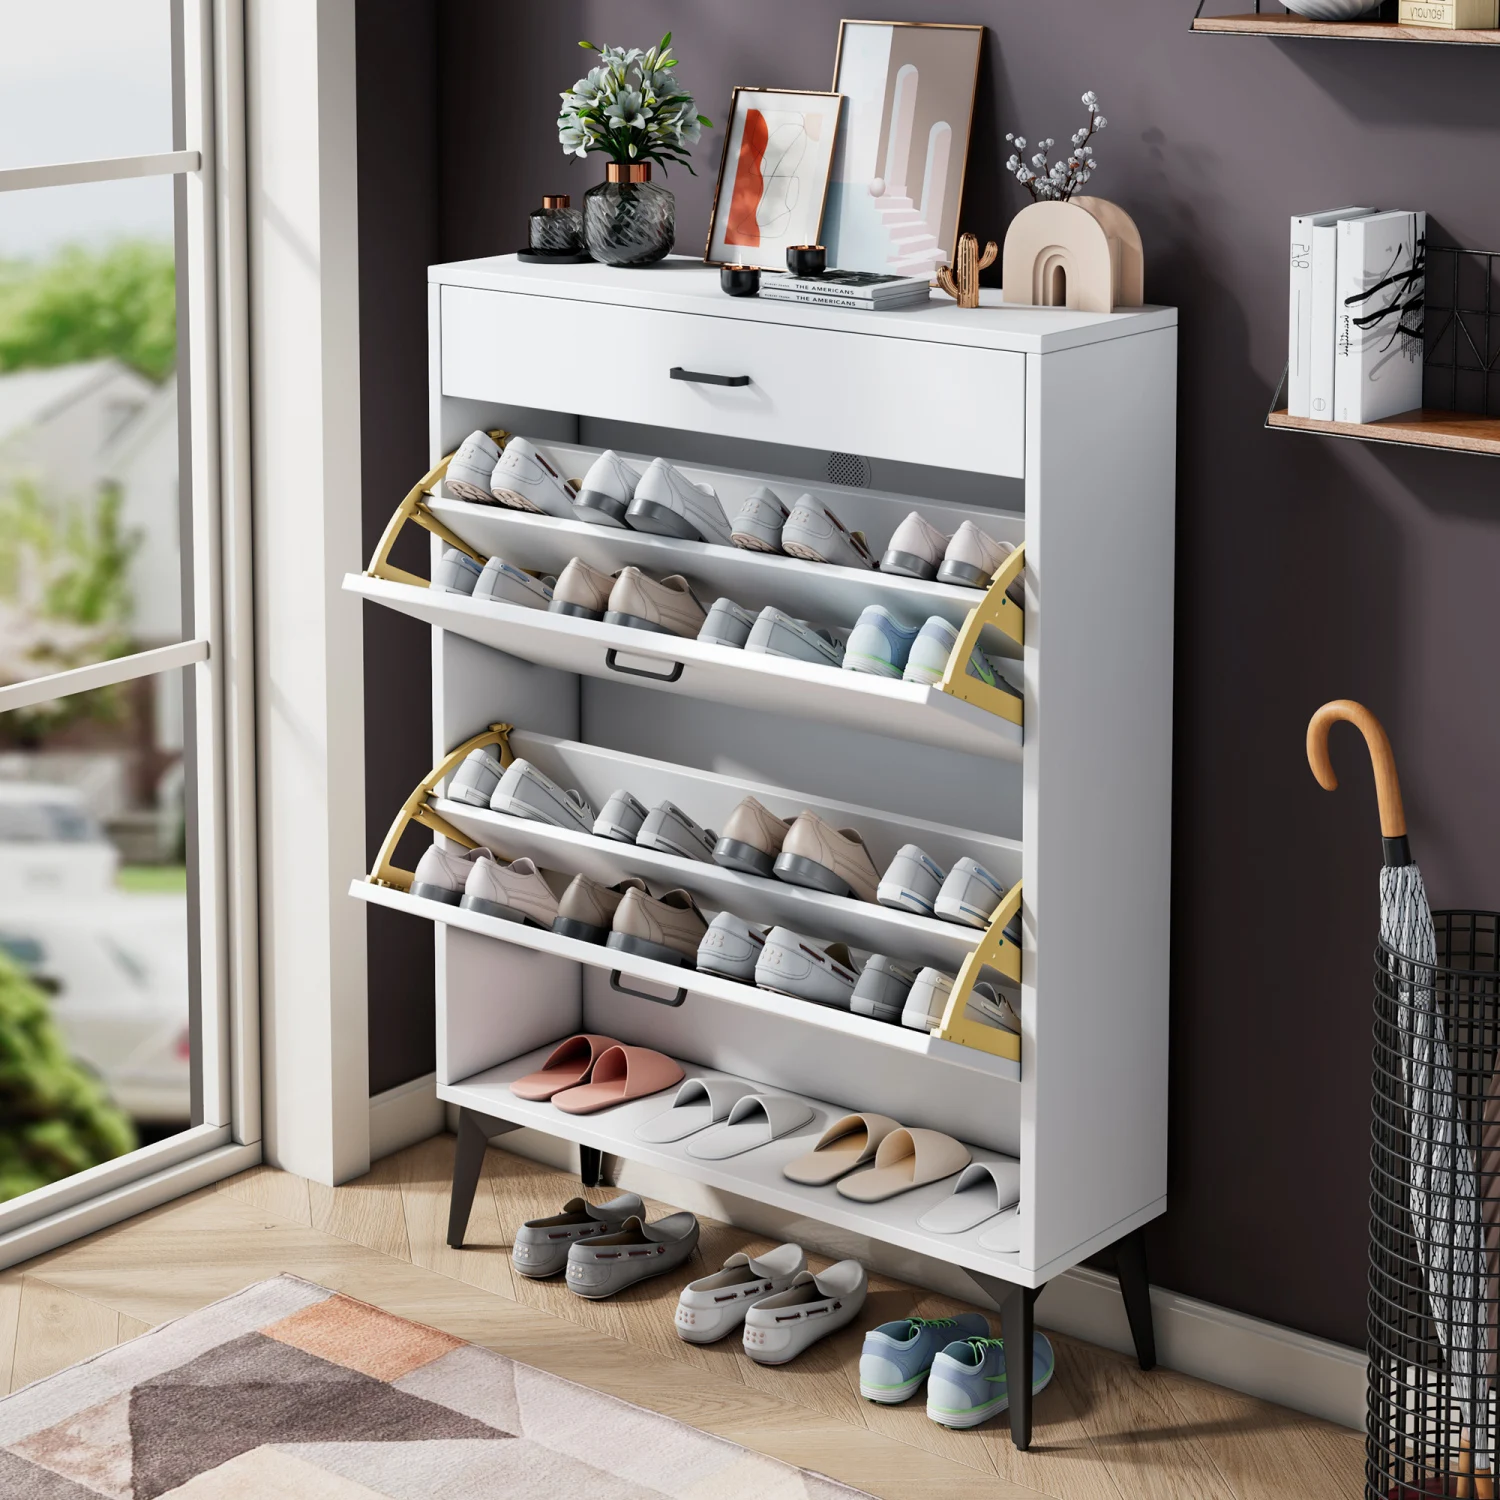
point(893, 398)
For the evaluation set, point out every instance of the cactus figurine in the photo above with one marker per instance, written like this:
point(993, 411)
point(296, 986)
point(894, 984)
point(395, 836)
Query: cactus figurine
point(961, 279)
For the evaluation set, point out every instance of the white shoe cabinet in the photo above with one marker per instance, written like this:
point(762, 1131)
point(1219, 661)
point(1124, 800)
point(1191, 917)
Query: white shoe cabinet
point(1047, 427)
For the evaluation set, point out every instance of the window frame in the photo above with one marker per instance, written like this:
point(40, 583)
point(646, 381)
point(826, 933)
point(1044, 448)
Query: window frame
point(208, 165)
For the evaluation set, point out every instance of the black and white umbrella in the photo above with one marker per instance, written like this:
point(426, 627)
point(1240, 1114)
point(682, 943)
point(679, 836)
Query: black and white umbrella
point(1443, 1197)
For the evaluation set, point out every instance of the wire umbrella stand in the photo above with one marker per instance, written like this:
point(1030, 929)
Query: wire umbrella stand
point(1435, 1157)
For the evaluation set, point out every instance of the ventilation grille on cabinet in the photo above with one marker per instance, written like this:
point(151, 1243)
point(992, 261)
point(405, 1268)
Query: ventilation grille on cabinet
point(850, 469)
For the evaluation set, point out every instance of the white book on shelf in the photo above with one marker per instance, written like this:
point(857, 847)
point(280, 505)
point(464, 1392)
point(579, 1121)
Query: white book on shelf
point(1323, 321)
point(1299, 324)
point(1379, 287)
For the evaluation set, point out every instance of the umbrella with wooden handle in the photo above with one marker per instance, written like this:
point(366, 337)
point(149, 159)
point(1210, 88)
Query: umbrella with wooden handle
point(1443, 1189)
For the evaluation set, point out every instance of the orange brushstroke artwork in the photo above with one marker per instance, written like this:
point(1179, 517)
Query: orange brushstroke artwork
point(741, 226)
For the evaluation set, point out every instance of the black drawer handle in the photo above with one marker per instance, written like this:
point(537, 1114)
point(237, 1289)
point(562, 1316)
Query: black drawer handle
point(614, 666)
point(624, 989)
point(699, 377)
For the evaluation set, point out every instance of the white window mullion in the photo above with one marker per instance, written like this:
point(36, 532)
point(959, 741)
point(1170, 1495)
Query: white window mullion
point(107, 169)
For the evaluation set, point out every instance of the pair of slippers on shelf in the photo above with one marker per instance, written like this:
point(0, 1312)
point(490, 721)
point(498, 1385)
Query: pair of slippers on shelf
point(870, 1158)
point(589, 1072)
point(724, 1117)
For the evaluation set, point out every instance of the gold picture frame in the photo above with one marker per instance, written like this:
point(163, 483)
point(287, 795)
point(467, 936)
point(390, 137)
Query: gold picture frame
point(802, 227)
point(850, 236)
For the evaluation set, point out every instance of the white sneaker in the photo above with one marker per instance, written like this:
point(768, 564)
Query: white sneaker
point(476, 778)
point(778, 634)
point(441, 874)
point(514, 891)
point(525, 478)
point(791, 964)
point(456, 573)
point(990, 1008)
point(504, 583)
point(814, 533)
point(911, 882)
point(670, 830)
point(882, 989)
point(470, 468)
point(758, 523)
point(525, 792)
point(928, 1000)
point(916, 548)
point(668, 504)
point(973, 557)
point(731, 947)
point(716, 1305)
point(778, 1328)
point(929, 655)
point(622, 817)
point(607, 490)
point(970, 894)
point(727, 624)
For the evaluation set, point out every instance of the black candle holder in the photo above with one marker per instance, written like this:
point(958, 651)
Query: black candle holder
point(806, 260)
point(739, 281)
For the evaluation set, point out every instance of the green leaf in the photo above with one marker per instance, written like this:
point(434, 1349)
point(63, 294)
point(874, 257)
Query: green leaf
point(705, 122)
point(589, 46)
point(665, 42)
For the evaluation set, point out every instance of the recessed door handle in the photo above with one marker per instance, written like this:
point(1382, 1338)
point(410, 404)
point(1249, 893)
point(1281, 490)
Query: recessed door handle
point(624, 989)
point(701, 377)
point(611, 661)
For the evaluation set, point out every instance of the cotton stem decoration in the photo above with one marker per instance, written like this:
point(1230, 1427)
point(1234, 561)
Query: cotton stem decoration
point(1056, 181)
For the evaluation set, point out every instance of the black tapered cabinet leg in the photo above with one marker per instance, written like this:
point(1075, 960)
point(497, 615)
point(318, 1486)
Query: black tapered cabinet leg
point(1017, 1305)
point(591, 1166)
point(474, 1133)
point(1135, 1288)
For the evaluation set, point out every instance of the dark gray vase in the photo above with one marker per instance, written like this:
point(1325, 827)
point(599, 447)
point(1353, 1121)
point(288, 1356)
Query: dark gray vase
point(628, 220)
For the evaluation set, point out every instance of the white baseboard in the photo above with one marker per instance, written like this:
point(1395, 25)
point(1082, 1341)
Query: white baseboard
point(1210, 1343)
point(404, 1115)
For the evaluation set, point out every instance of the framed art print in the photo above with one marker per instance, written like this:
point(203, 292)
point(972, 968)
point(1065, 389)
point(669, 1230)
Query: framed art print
point(773, 176)
point(908, 92)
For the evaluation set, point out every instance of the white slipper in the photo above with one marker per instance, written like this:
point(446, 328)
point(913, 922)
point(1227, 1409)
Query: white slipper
point(700, 1102)
point(779, 1328)
point(755, 1120)
point(1004, 1234)
point(716, 1305)
point(983, 1189)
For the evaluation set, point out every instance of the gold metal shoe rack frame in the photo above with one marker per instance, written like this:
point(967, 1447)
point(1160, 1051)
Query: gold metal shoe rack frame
point(996, 608)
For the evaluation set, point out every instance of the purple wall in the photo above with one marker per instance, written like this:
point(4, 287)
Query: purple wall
point(1308, 569)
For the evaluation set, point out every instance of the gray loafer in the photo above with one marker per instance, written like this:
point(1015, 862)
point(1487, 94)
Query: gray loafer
point(605, 1264)
point(541, 1245)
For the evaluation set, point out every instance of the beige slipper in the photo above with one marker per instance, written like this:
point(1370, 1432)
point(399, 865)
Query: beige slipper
point(848, 1143)
point(904, 1160)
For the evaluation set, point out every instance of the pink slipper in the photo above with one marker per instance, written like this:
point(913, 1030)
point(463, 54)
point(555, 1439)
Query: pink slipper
point(620, 1075)
point(571, 1063)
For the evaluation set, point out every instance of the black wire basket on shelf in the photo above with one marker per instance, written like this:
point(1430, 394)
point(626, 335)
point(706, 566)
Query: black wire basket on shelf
point(1434, 1295)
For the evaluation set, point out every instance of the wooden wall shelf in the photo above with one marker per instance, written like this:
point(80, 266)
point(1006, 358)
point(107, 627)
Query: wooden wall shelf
point(1457, 431)
point(1340, 31)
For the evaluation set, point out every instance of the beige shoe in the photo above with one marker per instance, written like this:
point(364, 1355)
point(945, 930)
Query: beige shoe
point(752, 839)
point(670, 607)
point(582, 591)
point(515, 891)
point(827, 859)
point(587, 909)
point(668, 928)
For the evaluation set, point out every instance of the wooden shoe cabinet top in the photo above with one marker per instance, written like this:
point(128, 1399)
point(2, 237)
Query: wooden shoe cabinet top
point(1048, 428)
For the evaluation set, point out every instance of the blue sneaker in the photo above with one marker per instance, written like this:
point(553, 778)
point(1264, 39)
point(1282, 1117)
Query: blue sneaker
point(968, 1380)
point(879, 643)
point(897, 1356)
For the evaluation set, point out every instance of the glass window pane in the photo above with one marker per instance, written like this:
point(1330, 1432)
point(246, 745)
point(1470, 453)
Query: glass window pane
point(95, 977)
point(90, 522)
point(84, 78)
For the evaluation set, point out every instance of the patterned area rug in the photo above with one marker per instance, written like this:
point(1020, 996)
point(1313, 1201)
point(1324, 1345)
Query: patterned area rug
point(287, 1391)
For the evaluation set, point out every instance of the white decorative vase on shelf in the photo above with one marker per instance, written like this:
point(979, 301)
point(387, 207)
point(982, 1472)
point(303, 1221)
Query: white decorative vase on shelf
point(1332, 10)
point(1084, 254)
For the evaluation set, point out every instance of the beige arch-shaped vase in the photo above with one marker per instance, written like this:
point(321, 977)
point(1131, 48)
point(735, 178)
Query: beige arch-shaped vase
point(1084, 255)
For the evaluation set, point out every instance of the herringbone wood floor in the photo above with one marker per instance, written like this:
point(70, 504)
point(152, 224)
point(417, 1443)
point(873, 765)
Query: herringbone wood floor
point(1104, 1430)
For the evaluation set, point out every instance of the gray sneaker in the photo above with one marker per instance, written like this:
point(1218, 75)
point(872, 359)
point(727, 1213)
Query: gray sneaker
point(882, 989)
point(476, 778)
point(605, 1264)
point(456, 573)
point(504, 583)
point(524, 792)
point(727, 624)
point(541, 1246)
point(622, 817)
point(778, 634)
point(791, 964)
point(670, 830)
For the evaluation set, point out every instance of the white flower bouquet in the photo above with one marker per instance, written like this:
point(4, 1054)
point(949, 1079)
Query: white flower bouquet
point(1057, 181)
point(631, 108)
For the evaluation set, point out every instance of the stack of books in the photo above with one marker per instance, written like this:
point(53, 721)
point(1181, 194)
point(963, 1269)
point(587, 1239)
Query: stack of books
point(1355, 331)
point(865, 289)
